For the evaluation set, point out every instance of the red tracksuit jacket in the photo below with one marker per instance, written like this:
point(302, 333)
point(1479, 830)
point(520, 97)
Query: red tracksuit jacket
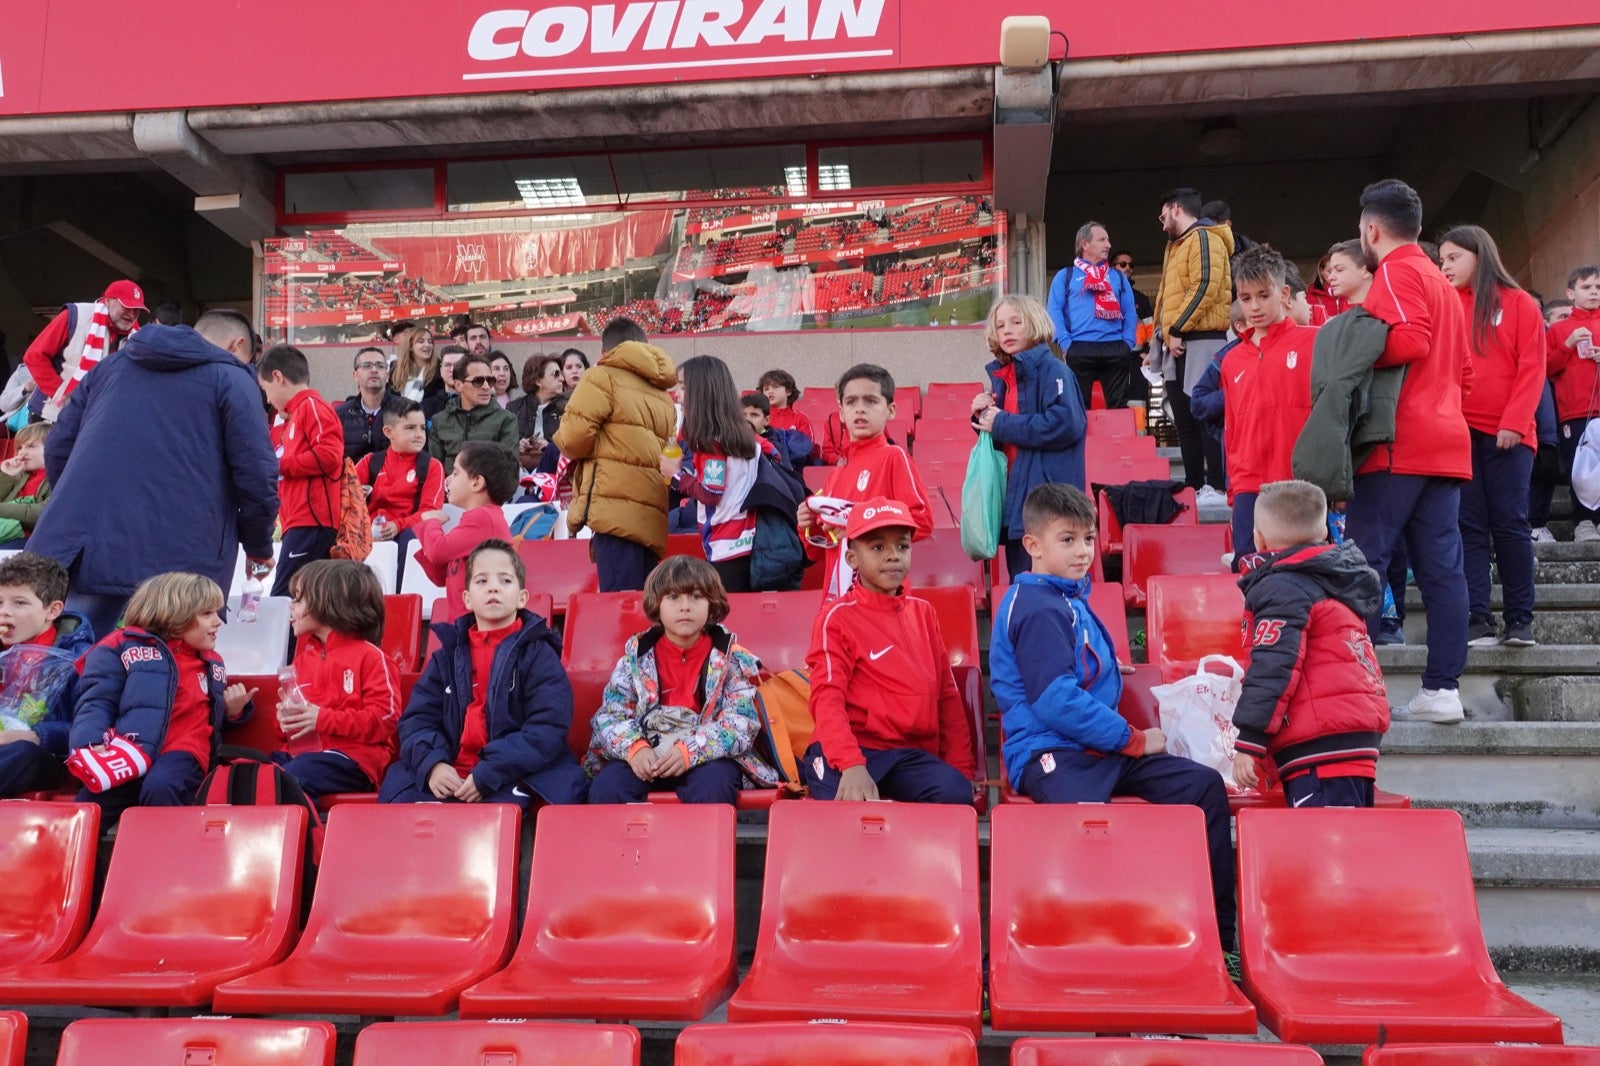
point(1267, 391)
point(444, 555)
point(394, 494)
point(1572, 377)
point(356, 689)
point(872, 468)
point(1508, 375)
point(1428, 335)
point(310, 463)
point(880, 678)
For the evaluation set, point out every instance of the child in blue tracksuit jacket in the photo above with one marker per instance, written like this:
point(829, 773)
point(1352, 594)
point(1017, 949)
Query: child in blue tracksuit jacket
point(488, 719)
point(1056, 678)
point(1205, 399)
point(42, 644)
point(159, 682)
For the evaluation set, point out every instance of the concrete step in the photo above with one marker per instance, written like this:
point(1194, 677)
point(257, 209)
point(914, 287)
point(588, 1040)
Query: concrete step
point(1528, 775)
point(1538, 893)
point(1546, 598)
point(1494, 677)
point(1549, 626)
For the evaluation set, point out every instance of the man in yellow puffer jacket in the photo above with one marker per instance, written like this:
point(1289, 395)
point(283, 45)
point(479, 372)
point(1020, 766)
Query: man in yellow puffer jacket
point(617, 423)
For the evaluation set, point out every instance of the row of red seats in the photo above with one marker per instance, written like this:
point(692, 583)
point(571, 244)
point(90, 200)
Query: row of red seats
point(251, 1042)
point(1100, 918)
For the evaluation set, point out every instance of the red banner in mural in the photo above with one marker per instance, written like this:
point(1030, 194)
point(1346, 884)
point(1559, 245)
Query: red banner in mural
point(544, 253)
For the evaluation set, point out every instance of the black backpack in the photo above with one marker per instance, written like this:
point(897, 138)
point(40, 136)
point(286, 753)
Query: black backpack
point(244, 777)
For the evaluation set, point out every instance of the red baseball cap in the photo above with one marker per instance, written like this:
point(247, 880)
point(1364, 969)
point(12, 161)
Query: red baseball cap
point(125, 291)
point(880, 512)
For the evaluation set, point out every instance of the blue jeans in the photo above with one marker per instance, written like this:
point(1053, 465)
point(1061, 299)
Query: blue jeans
point(1244, 526)
point(1494, 510)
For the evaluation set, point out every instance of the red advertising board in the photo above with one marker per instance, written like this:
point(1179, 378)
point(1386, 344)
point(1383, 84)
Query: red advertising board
point(76, 56)
point(472, 257)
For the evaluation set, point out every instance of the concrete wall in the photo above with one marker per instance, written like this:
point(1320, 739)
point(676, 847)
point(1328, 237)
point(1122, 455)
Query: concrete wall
point(914, 355)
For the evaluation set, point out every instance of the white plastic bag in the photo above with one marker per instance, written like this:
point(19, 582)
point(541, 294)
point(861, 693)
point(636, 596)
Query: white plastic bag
point(1197, 715)
point(1586, 466)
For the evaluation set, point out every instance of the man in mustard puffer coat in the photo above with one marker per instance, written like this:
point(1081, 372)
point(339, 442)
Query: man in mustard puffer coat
point(617, 423)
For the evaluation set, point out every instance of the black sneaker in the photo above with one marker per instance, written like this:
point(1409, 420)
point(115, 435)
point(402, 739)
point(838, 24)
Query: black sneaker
point(1519, 636)
point(1482, 635)
point(1390, 631)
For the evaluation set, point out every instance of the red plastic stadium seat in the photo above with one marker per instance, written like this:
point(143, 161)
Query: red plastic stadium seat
point(885, 929)
point(943, 476)
point(1097, 397)
point(260, 730)
point(776, 626)
point(937, 448)
point(598, 627)
point(559, 568)
point(1164, 550)
point(46, 878)
point(941, 560)
point(1120, 470)
point(902, 428)
point(1055, 1051)
point(225, 904)
point(1101, 920)
point(402, 630)
point(1108, 604)
point(688, 544)
point(13, 1038)
point(630, 917)
point(1108, 538)
point(1114, 423)
point(1478, 1055)
point(414, 903)
point(1111, 447)
point(182, 1041)
point(541, 604)
point(945, 428)
point(496, 1044)
point(815, 476)
point(835, 1043)
point(1190, 616)
point(1138, 705)
point(1373, 931)
point(958, 621)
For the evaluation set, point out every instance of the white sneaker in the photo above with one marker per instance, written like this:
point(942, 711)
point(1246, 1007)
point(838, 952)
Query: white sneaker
point(1441, 706)
point(1542, 535)
point(1585, 533)
point(1206, 496)
point(1227, 559)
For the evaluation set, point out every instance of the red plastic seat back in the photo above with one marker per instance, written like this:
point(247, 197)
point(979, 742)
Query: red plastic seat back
point(598, 627)
point(230, 884)
point(948, 429)
point(1114, 423)
point(835, 1043)
point(776, 626)
point(688, 544)
point(521, 1043)
point(899, 887)
point(1105, 600)
point(935, 447)
point(1110, 528)
point(1139, 706)
point(46, 878)
point(1479, 1055)
point(618, 884)
point(402, 630)
point(1148, 551)
point(816, 476)
point(1121, 469)
point(1055, 1051)
point(180, 1041)
point(425, 884)
point(559, 568)
point(1385, 899)
point(13, 1038)
point(1190, 616)
point(958, 621)
point(940, 560)
point(259, 731)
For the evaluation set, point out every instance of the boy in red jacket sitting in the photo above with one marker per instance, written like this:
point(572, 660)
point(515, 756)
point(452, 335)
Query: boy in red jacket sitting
point(485, 477)
point(310, 462)
point(1313, 697)
point(889, 720)
point(1573, 362)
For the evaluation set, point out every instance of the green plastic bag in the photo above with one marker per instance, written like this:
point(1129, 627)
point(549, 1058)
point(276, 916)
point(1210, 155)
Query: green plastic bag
point(983, 496)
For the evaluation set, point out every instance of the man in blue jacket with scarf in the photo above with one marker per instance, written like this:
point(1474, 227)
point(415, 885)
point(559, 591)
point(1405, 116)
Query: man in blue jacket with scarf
point(160, 462)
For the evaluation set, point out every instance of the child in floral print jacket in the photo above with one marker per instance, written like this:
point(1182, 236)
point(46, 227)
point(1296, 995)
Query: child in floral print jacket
point(679, 710)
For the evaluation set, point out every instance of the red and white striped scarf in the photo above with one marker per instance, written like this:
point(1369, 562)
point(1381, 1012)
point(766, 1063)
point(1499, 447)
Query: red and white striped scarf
point(1096, 282)
point(95, 348)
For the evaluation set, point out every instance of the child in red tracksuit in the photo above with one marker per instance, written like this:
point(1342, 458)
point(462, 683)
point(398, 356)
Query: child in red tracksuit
point(338, 723)
point(310, 462)
point(872, 467)
point(485, 477)
point(782, 392)
point(1573, 364)
point(1266, 381)
point(1313, 698)
point(889, 721)
point(408, 481)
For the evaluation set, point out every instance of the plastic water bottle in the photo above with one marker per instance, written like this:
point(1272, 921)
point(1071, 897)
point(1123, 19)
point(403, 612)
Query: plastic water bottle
point(289, 685)
point(250, 596)
point(672, 451)
point(377, 528)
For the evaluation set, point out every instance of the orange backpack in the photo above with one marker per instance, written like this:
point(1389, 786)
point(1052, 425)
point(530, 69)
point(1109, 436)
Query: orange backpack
point(783, 703)
point(354, 540)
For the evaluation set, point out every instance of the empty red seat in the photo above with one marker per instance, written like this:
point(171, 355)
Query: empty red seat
point(496, 1044)
point(1107, 602)
point(938, 448)
point(1108, 539)
point(958, 624)
point(1164, 550)
point(13, 1038)
point(1101, 920)
point(1478, 1055)
point(559, 568)
point(186, 1041)
point(815, 476)
point(402, 630)
point(869, 912)
point(688, 544)
point(950, 428)
point(835, 1043)
point(941, 560)
point(1118, 422)
point(1055, 1051)
point(1139, 705)
point(46, 878)
point(630, 916)
point(1374, 931)
point(776, 626)
point(226, 904)
point(1190, 616)
point(414, 903)
point(597, 628)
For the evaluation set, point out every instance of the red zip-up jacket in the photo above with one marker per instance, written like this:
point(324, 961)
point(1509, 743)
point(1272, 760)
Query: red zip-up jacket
point(1270, 385)
point(1508, 374)
point(394, 494)
point(1427, 335)
point(443, 556)
point(310, 463)
point(356, 689)
point(871, 467)
point(1573, 377)
point(880, 678)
